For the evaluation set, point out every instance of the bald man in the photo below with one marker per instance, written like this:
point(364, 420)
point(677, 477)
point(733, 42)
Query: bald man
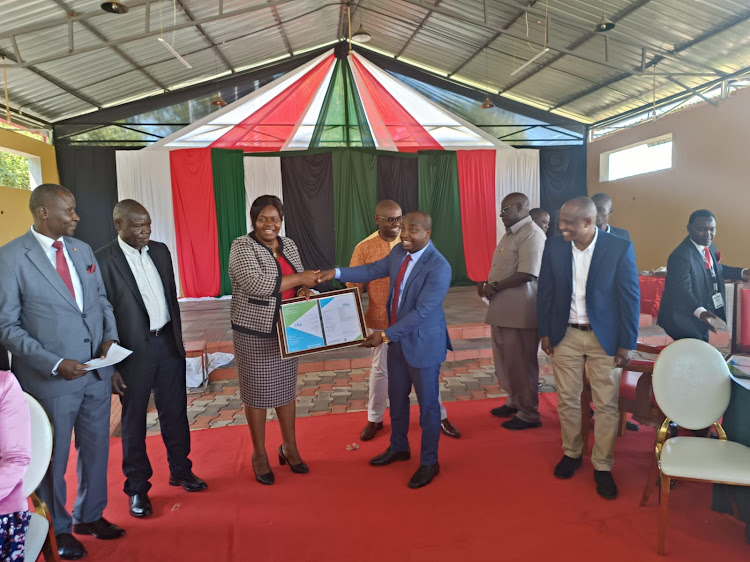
point(603, 212)
point(139, 279)
point(588, 307)
point(511, 289)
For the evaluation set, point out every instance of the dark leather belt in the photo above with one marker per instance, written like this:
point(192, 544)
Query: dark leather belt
point(582, 327)
point(161, 331)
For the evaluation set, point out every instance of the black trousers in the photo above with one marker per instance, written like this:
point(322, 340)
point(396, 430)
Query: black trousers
point(162, 370)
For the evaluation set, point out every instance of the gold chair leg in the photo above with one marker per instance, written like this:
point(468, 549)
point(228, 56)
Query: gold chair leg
point(665, 484)
point(651, 481)
point(49, 550)
point(623, 423)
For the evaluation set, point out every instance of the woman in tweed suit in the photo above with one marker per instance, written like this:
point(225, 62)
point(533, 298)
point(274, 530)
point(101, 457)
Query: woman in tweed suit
point(265, 269)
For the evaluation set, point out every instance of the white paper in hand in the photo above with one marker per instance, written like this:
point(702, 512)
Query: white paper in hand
point(115, 354)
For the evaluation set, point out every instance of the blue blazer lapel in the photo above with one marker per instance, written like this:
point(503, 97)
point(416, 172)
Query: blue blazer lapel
point(600, 251)
point(45, 267)
point(419, 266)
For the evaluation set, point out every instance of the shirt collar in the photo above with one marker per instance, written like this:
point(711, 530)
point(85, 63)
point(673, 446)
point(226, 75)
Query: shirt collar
point(609, 229)
point(590, 246)
point(416, 255)
point(128, 249)
point(520, 224)
point(45, 241)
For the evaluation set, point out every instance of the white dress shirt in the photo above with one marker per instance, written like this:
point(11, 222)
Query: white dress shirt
point(701, 249)
point(149, 284)
point(581, 266)
point(52, 256)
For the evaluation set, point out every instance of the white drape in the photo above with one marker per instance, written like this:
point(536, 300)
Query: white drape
point(145, 177)
point(516, 170)
point(262, 177)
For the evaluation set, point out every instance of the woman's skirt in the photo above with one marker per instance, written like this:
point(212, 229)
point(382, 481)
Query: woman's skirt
point(266, 380)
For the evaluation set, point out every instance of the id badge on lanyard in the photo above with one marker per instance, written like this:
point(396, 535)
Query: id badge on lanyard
point(717, 299)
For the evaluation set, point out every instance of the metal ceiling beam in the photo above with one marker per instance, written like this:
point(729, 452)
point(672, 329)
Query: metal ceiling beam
point(414, 34)
point(284, 36)
point(342, 11)
point(508, 25)
point(211, 42)
point(693, 90)
point(574, 45)
point(655, 60)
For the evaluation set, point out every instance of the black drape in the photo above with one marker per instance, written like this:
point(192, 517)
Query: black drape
point(91, 174)
point(398, 180)
point(562, 176)
point(307, 186)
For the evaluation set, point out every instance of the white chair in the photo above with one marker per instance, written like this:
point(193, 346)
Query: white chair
point(692, 387)
point(41, 533)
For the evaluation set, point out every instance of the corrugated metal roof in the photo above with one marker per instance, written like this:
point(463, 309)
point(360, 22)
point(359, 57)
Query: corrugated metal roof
point(115, 57)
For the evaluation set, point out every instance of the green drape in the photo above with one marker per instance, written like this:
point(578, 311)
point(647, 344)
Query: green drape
point(229, 194)
point(355, 194)
point(438, 196)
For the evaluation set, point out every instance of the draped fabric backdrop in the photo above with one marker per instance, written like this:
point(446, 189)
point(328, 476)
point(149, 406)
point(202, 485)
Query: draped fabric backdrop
point(262, 177)
point(146, 177)
point(438, 196)
point(195, 221)
point(476, 181)
point(355, 194)
point(515, 171)
point(398, 180)
point(562, 177)
point(90, 174)
point(307, 184)
point(229, 194)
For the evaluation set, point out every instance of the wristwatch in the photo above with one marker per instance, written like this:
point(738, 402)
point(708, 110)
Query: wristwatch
point(385, 338)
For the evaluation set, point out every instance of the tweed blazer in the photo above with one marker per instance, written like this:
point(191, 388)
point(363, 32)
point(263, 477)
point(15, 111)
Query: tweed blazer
point(256, 283)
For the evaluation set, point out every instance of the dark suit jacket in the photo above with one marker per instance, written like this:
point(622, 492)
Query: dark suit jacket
point(621, 232)
point(612, 292)
point(421, 327)
point(130, 311)
point(688, 286)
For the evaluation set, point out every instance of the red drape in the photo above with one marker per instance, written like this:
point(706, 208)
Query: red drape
point(476, 189)
point(195, 221)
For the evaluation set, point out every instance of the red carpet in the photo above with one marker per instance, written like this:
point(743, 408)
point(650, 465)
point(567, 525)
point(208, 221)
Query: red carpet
point(495, 499)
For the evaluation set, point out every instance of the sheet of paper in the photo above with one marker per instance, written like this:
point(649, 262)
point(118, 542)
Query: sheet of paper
point(739, 373)
point(340, 319)
point(302, 326)
point(115, 354)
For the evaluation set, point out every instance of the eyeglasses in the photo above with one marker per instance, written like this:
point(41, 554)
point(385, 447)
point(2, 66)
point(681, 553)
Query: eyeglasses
point(392, 220)
point(505, 209)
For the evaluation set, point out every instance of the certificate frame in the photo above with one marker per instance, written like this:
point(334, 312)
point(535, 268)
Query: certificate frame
point(291, 347)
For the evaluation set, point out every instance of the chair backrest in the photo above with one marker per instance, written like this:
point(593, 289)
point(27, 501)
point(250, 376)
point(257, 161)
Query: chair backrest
point(41, 446)
point(691, 383)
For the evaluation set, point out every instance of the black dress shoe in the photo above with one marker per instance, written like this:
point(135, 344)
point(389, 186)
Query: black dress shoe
point(390, 456)
point(190, 482)
point(517, 424)
point(424, 475)
point(140, 505)
point(101, 529)
point(449, 429)
point(605, 484)
point(299, 468)
point(630, 426)
point(370, 430)
point(69, 547)
point(504, 411)
point(266, 479)
point(567, 467)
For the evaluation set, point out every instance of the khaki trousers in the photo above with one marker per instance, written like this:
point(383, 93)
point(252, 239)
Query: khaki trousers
point(517, 369)
point(577, 349)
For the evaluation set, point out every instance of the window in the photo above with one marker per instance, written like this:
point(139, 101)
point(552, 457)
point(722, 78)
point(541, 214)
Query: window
point(18, 169)
point(648, 156)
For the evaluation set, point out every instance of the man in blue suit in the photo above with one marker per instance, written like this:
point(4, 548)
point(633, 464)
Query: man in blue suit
point(588, 307)
point(603, 212)
point(417, 338)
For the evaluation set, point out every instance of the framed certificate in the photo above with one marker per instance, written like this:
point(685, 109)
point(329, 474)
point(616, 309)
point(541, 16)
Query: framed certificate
point(325, 321)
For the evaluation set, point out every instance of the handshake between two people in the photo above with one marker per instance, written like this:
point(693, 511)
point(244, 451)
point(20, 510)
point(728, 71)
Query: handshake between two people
point(309, 278)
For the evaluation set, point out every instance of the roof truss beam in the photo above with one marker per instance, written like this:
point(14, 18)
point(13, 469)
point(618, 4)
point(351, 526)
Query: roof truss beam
point(214, 46)
point(414, 34)
point(284, 36)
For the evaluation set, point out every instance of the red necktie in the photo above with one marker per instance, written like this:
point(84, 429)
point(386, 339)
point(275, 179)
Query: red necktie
point(397, 288)
point(62, 267)
point(707, 257)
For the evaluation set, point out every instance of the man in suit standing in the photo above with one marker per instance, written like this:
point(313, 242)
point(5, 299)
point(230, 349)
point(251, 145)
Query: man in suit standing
point(588, 308)
point(139, 278)
point(417, 338)
point(694, 299)
point(511, 289)
point(54, 315)
point(603, 211)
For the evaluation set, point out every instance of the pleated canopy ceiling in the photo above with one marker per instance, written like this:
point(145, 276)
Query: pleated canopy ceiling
point(332, 101)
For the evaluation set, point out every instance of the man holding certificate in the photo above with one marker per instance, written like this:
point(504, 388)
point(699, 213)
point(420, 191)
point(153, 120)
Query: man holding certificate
point(417, 336)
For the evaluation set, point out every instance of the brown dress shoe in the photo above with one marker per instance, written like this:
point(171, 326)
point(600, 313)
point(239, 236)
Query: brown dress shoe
point(449, 429)
point(370, 430)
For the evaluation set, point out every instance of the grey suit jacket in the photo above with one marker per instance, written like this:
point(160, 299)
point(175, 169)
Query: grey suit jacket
point(40, 322)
